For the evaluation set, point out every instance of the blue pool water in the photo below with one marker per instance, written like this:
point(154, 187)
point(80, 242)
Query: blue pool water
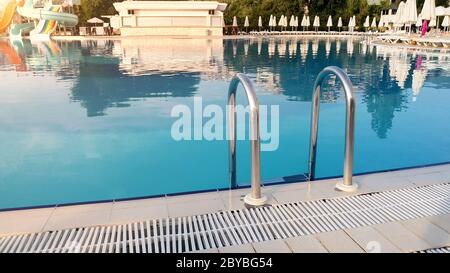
point(89, 121)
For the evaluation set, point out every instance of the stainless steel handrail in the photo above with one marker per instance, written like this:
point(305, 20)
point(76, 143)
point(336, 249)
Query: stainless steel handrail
point(347, 184)
point(254, 198)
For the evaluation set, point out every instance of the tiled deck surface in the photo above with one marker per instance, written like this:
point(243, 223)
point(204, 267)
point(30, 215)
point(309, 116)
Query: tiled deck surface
point(404, 236)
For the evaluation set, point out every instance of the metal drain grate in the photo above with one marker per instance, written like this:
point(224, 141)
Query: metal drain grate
point(436, 250)
point(229, 228)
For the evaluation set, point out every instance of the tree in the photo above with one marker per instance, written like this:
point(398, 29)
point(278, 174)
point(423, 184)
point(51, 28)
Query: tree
point(95, 8)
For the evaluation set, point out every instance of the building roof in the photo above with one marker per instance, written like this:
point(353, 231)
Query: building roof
point(171, 5)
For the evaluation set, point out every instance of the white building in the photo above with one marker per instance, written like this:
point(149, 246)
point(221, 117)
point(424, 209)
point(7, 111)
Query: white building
point(191, 18)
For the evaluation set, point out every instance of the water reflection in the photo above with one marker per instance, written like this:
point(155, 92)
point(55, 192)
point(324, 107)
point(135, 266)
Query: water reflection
point(96, 114)
point(111, 74)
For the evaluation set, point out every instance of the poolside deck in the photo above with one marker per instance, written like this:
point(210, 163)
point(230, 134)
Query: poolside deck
point(250, 35)
point(400, 211)
point(414, 40)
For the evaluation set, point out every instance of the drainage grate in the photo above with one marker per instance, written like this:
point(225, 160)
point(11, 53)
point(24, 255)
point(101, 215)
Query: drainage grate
point(215, 230)
point(436, 250)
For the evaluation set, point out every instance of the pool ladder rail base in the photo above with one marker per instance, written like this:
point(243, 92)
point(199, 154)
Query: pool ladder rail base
point(255, 198)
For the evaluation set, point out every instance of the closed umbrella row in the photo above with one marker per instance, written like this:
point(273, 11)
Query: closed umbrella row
point(293, 23)
point(406, 17)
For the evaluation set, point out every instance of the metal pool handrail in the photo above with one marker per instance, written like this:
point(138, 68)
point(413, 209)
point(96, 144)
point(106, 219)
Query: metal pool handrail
point(347, 184)
point(254, 198)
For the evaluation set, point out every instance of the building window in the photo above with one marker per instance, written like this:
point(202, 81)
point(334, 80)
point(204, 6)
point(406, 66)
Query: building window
point(130, 12)
point(211, 12)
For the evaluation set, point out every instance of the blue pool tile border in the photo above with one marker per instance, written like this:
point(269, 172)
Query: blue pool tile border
point(271, 182)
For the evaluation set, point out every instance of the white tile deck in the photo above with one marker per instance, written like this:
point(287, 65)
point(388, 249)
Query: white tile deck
point(24, 221)
point(194, 207)
point(442, 221)
point(433, 235)
point(133, 214)
point(247, 248)
point(306, 244)
point(416, 234)
point(76, 219)
point(371, 240)
point(401, 237)
point(338, 242)
point(277, 246)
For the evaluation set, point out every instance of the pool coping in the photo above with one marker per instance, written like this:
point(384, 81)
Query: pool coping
point(119, 212)
point(224, 37)
point(298, 178)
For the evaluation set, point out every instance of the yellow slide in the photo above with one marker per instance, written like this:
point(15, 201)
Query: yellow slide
point(8, 14)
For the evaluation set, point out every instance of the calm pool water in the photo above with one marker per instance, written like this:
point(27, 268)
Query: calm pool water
point(88, 121)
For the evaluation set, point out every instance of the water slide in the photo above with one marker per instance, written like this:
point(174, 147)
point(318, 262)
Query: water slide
point(49, 17)
point(7, 14)
point(18, 30)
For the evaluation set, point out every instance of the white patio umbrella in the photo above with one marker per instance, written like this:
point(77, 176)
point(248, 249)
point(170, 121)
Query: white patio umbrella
point(246, 23)
point(340, 25)
point(303, 23)
point(432, 22)
point(374, 23)
point(419, 21)
point(281, 22)
point(292, 22)
point(308, 22)
point(235, 23)
point(285, 23)
point(96, 21)
point(440, 11)
point(329, 23)
point(354, 21)
point(410, 13)
point(399, 18)
point(274, 22)
point(390, 20)
point(271, 22)
point(428, 12)
point(367, 23)
point(296, 23)
point(446, 22)
point(316, 23)
point(350, 24)
point(260, 24)
point(381, 22)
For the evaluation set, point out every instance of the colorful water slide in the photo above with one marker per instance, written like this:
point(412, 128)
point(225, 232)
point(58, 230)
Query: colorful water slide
point(17, 31)
point(47, 27)
point(49, 17)
point(8, 13)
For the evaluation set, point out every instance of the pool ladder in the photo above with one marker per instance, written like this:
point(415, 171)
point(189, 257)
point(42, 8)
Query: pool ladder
point(255, 197)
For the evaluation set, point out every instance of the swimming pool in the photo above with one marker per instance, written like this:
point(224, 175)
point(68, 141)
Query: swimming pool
point(89, 121)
